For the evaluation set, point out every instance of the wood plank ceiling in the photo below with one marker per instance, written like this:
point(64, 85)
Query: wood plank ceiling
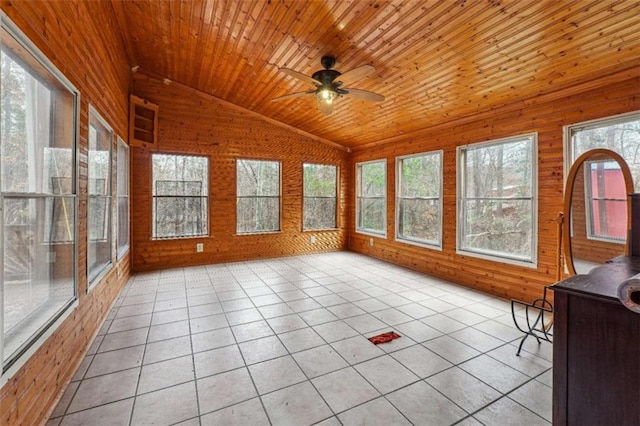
point(436, 60)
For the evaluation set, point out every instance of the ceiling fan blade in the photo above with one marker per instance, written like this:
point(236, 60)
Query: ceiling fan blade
point(365, 95)
point(356, 74)
point(293, 95)
point(300, 76)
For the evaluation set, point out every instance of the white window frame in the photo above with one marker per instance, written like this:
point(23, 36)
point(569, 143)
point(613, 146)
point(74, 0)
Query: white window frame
point(335, 197)
point(461, 172)
point(358, 181)
point(31, 345)
point(205, 196)
point(437, 245)
point(99, 273)
point(570, 157)
point(279, 197)
point(123, 167)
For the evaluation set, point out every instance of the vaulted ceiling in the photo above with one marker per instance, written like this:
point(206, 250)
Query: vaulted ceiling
point(436, 60)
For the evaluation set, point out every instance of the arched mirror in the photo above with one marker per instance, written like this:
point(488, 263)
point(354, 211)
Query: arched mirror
point(596, 210)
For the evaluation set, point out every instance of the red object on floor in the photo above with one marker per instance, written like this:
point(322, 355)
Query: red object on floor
point(384, 337)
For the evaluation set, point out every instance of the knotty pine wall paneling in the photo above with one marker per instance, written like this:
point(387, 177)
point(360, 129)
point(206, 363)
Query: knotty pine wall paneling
point(83, 42)
point(191, 122)
point(546, 117)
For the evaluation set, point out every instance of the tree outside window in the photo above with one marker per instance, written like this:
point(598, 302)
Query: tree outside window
point(258, 196)
point(37, 194)
point(320, 196)
point(371, 188)
point(180, 196)
point(605, 201)
point(418, 198)
point(497, 206)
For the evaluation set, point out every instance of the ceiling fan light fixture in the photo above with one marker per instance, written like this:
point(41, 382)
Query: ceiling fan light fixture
point(328, 84)
point(326, 95)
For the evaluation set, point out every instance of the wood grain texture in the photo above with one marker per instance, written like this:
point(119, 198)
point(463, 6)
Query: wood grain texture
point(82, 42)
point(191, 122)
point(436, 60)
point(547, 119)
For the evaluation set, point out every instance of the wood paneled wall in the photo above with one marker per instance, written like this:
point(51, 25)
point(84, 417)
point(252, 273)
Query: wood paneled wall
point(544, 117)
point(80, 39)
point(191, 122)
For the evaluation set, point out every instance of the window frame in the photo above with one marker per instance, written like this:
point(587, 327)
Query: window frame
point(335, 197)
point(589, 199)
point(42, 64)
point(206, 229)
point(461, 150)
point(94, 277)
point(279, 196)
point(437, 245)
point(123, 249)
point(358, 182)
point(568, 133)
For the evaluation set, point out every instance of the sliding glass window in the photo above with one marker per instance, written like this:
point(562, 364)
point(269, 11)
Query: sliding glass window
point(37, 194)
point(99, 189)
point(123, 197)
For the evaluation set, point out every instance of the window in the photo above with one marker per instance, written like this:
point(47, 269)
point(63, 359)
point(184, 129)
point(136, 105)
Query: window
point(606, 202)
point(371, 201)
point(37, 194)
point(497, 204)
point(123, 197)
point(99, 189)
point(258, 192)
point(418, 199)
point(320, 196)
point(180, 196)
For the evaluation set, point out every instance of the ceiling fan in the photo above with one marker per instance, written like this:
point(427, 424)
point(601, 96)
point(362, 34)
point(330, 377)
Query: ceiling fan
point(329, 84)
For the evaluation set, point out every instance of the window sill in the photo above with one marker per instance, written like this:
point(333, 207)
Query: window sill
point(185, 237)
point(371, 233)
point(497, 258)
point(422, 244)
point(242, 234)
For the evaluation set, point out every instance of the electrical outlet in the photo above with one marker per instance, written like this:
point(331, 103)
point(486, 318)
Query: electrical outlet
point(371, 242)
point(312, 239)
point(199, 247)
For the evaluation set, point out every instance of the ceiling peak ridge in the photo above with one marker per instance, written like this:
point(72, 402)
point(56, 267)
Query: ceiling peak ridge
point(140, 73)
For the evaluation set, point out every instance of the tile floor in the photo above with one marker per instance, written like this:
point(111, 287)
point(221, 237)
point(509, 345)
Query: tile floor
point(283, 342)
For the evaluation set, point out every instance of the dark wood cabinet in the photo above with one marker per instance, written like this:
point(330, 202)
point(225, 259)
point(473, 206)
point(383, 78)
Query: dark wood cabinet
point(596, 349)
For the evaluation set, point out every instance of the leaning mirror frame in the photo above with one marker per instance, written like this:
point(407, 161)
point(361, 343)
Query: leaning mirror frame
point(568, 196)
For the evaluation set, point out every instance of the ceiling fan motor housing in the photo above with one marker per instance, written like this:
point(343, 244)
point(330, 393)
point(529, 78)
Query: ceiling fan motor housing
point(328, 62)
